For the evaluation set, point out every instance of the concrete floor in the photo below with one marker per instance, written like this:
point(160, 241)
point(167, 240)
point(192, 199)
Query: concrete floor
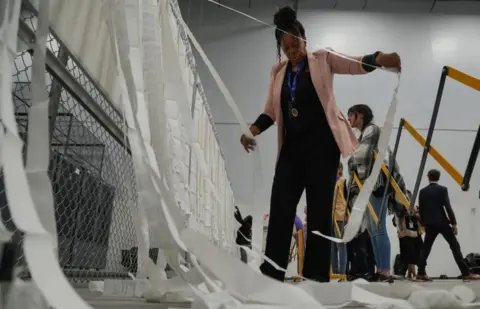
point(98, 301)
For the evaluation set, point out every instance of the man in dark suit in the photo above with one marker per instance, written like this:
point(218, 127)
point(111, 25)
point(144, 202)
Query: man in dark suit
point(437, 217)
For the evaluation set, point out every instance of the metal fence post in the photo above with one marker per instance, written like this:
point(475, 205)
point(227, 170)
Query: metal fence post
point(194, 98)
point(428, 141)
point(56, 92)
point(471, 162)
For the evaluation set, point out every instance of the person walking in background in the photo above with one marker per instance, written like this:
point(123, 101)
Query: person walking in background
point(312, 133)
point(437, 216)
point(244, 233)
point(361, 117)
point(339, 250)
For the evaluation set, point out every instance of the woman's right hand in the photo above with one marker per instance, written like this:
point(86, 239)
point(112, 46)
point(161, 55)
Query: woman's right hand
point(247, 142)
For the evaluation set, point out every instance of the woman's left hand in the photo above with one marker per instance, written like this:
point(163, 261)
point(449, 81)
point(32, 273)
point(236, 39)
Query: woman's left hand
point(389, 60)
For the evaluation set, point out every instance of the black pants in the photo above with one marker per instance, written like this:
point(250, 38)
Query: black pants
point(243, 256)
point(298, 169)
point(371, 265)
point(358, 255)
point(431, 233)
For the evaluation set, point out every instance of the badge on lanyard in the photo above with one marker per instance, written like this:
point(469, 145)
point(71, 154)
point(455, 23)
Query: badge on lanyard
point(292, 86)
point(410, 224)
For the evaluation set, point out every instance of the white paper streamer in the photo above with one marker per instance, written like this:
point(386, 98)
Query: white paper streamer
point(176, 82)
point(257, 228)
point(38, 144)
point(159, 195)
point(148, 197)
point(161, 222)
point(139, 216)
point(243, 282)
point(39, 248)
point(360, 206)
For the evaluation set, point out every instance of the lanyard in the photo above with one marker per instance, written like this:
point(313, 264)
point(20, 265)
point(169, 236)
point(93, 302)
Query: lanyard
point(292, 85)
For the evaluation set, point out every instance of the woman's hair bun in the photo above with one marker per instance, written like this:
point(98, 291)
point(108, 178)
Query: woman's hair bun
point(285, 17)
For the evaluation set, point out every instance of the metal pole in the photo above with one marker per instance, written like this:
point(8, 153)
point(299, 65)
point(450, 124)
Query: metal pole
point(471, 162)
point(56, 93)
point(201, 13)
point(101, 161)
point(189, 12)
point(391, 168)
point(68, 135)
point(194, 98)
point(431, 128)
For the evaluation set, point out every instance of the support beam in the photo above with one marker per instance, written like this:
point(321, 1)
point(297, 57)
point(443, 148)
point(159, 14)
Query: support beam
point(56, 92)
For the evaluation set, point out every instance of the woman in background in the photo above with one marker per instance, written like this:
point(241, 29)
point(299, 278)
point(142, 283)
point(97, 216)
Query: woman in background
point(361, 117)
point(409, 233)
point(312, 133)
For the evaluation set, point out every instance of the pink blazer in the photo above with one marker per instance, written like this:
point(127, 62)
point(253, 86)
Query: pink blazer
point(322, 66)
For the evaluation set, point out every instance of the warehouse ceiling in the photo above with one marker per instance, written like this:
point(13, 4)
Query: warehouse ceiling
point(420, 6)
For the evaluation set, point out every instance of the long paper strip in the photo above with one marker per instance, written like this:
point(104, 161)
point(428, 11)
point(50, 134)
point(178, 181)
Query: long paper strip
point(39, 248)
point(240, 280)
point(169, 229)
point(258, 174)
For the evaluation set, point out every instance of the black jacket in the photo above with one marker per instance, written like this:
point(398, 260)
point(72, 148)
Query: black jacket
point(433, 201)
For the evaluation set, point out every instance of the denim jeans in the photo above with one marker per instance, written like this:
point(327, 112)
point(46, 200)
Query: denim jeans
point(379, 235)
point(339, 252)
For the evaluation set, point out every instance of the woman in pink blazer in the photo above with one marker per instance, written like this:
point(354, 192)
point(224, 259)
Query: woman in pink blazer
point(312, 133)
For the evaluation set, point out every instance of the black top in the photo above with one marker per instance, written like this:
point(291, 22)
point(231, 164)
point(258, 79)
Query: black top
point(411, 222)
point(433, 201)
point(310, 124)
point(307, 103)
point(311, 121)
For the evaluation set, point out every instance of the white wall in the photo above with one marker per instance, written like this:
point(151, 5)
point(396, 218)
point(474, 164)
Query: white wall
point(243, 53)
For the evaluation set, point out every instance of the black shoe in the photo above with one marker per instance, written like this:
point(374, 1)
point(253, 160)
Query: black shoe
point(385, 278)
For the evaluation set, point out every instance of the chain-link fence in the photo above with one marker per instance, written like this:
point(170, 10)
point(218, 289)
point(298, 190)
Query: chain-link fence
point(90, 168)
